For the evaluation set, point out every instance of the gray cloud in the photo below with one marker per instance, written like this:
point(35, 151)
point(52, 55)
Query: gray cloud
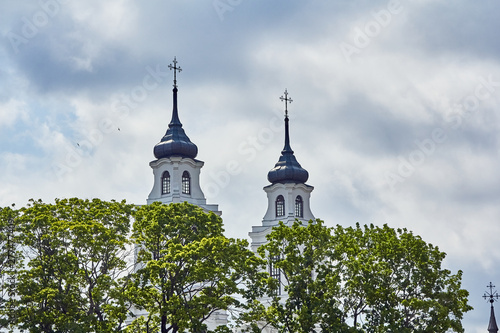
point(351, 122)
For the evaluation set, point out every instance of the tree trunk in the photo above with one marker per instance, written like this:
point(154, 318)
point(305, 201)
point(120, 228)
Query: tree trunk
point(164, 324)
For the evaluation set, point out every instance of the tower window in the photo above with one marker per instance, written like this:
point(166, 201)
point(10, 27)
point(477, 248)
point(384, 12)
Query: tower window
point(165, 183)
point(280, 206)
point(299, 207)
point(186, 183)
point(275, 273)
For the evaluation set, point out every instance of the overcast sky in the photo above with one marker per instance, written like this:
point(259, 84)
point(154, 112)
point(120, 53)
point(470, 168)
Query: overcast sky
point(394, 113)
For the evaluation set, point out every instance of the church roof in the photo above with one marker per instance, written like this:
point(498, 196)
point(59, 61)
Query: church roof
point(175, 142)
point(287, 170)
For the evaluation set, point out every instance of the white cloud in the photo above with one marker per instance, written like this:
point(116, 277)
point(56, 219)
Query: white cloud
point(11, 111)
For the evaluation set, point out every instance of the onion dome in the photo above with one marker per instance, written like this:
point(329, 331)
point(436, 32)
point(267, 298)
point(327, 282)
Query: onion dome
point(287, 170)
point(175, 142)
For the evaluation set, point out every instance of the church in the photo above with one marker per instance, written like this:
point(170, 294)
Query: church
point(177, 172)
point(177, 175)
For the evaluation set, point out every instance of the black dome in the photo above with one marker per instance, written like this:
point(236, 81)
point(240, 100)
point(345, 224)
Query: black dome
point(175, 142)
point(287, 170)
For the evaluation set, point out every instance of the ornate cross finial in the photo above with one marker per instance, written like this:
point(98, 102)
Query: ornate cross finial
point(492, 294)
point(175, 68)
point(287, 100)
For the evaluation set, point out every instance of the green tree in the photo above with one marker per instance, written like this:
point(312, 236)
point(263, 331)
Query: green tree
point(73, 279)
point(9, 264)
point(186, 268)
point(392, 281)
point(370, 279)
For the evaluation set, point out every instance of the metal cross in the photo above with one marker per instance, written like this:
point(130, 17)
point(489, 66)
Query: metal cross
point(286, 99)
point(492, 294)
point(175, 68)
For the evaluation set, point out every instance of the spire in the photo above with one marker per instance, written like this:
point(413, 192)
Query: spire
point(287, 147)
point(287, 170)
point(492, 326)
point(175, 142)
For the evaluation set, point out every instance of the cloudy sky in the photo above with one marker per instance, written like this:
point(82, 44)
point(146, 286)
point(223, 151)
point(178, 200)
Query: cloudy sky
point(394, 114)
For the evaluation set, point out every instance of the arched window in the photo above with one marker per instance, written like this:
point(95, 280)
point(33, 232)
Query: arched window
point(280, 206)
point(299, 207)
point(186, 183)
point(165, 183)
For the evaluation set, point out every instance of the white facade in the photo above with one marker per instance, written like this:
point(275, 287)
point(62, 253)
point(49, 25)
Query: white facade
point(289, 192)
point(176, 166)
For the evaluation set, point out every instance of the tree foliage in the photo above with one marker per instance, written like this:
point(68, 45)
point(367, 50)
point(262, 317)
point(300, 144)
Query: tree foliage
point(187, 269)
point(64, 269)
point(72, 277)
point(393, 282)
point(362, 279)
point(9, 264)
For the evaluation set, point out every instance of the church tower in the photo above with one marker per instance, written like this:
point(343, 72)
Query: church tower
point(176, 171)
point(288, 194)
point(177, 179)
